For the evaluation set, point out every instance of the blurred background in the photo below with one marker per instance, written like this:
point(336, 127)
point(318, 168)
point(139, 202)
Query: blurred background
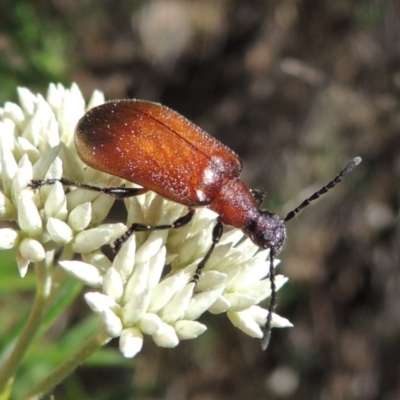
point(297, 89)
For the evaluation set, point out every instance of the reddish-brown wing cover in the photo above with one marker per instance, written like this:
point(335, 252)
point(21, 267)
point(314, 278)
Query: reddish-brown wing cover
point(157, 148)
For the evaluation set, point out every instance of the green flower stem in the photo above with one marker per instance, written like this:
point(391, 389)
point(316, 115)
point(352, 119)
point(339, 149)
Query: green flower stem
point(98, 340)
point(32, 325)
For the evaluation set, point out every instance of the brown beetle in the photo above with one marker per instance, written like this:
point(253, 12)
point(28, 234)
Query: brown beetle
point(159, 149)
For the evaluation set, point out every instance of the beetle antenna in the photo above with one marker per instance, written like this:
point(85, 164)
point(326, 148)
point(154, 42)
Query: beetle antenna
point(272, 303)
point(349, 167)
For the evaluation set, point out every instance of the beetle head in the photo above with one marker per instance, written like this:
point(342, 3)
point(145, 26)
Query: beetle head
point(267, 231)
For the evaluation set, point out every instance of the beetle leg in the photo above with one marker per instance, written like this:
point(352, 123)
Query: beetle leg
point(216, 235)
point(117, 192)
point(135, 227)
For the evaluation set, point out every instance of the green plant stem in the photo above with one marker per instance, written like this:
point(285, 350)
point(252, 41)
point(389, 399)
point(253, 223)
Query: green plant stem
point(96, 341)
point(32, 325)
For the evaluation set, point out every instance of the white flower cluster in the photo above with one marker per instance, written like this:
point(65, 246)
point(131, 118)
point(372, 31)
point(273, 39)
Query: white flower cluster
point(147, 288)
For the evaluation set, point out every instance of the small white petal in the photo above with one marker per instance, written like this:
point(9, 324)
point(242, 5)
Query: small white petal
point(100, 208)
point(210, 280)
point(150, 323)
point(137, 282)
point(177, 306)
point(111, 323)
point(117, 230)
point(98, 302)
point(98, 259)
point(56, 202)
point(27, 100)
point(80, 196)
point(260, 316)
point(231, 271)
point(189, 329)
point(239, 302)
point(130, 342)
point(124, 261)
point(188, 250)
point(9, 167)
point(22, 265)
point(26, 147)
point(28, 215)
point(51, 136)
point(96, 99)
point(246, 323)
point(13, 112)
point(163, 292)
point(86, 273)
point(232, 237)
point(79, 218)
point(218, 256)
point(152, 246)
point(8, 238)
point(32, 250)
point(90, 240)
point(136, 308)
point(55, 94)
point(280, 280)
point(280, 322)
point(201, 302)
point(22, 177)
point(36, 127)
point(113, 285)
point(7, 210)
point(56, 167)
point(220, 306)
point(41, 167)
point(166, 337)
point(157, 264)
point(59, 231)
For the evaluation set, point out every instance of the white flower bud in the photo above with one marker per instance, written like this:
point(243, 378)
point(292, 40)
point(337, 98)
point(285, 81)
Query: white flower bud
point(239, 302)
point(246, 323)
point(221, 305)
point(9, 167)
point(79, 218)
point(28, 215)
point(43, 164)
point(136, 308)
point(124, 261)
point(59, 231)
point(8, 238)
point(98, 302)
point(22, 264)
point(32, 250)
point(188, 329)
point(113, 285)
point(13, 112)
point(201, 302)
point(100, 208)
point(92, 239)
point(86, 273)
point(27, 100)
point(260, 316)
point(111, 323)
point(150, 323)
point(7, 210)
point(176, 307)
point(56, 203)
point(166, 336)
point(163, 292)
point(96, 99)
point(130, 342)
